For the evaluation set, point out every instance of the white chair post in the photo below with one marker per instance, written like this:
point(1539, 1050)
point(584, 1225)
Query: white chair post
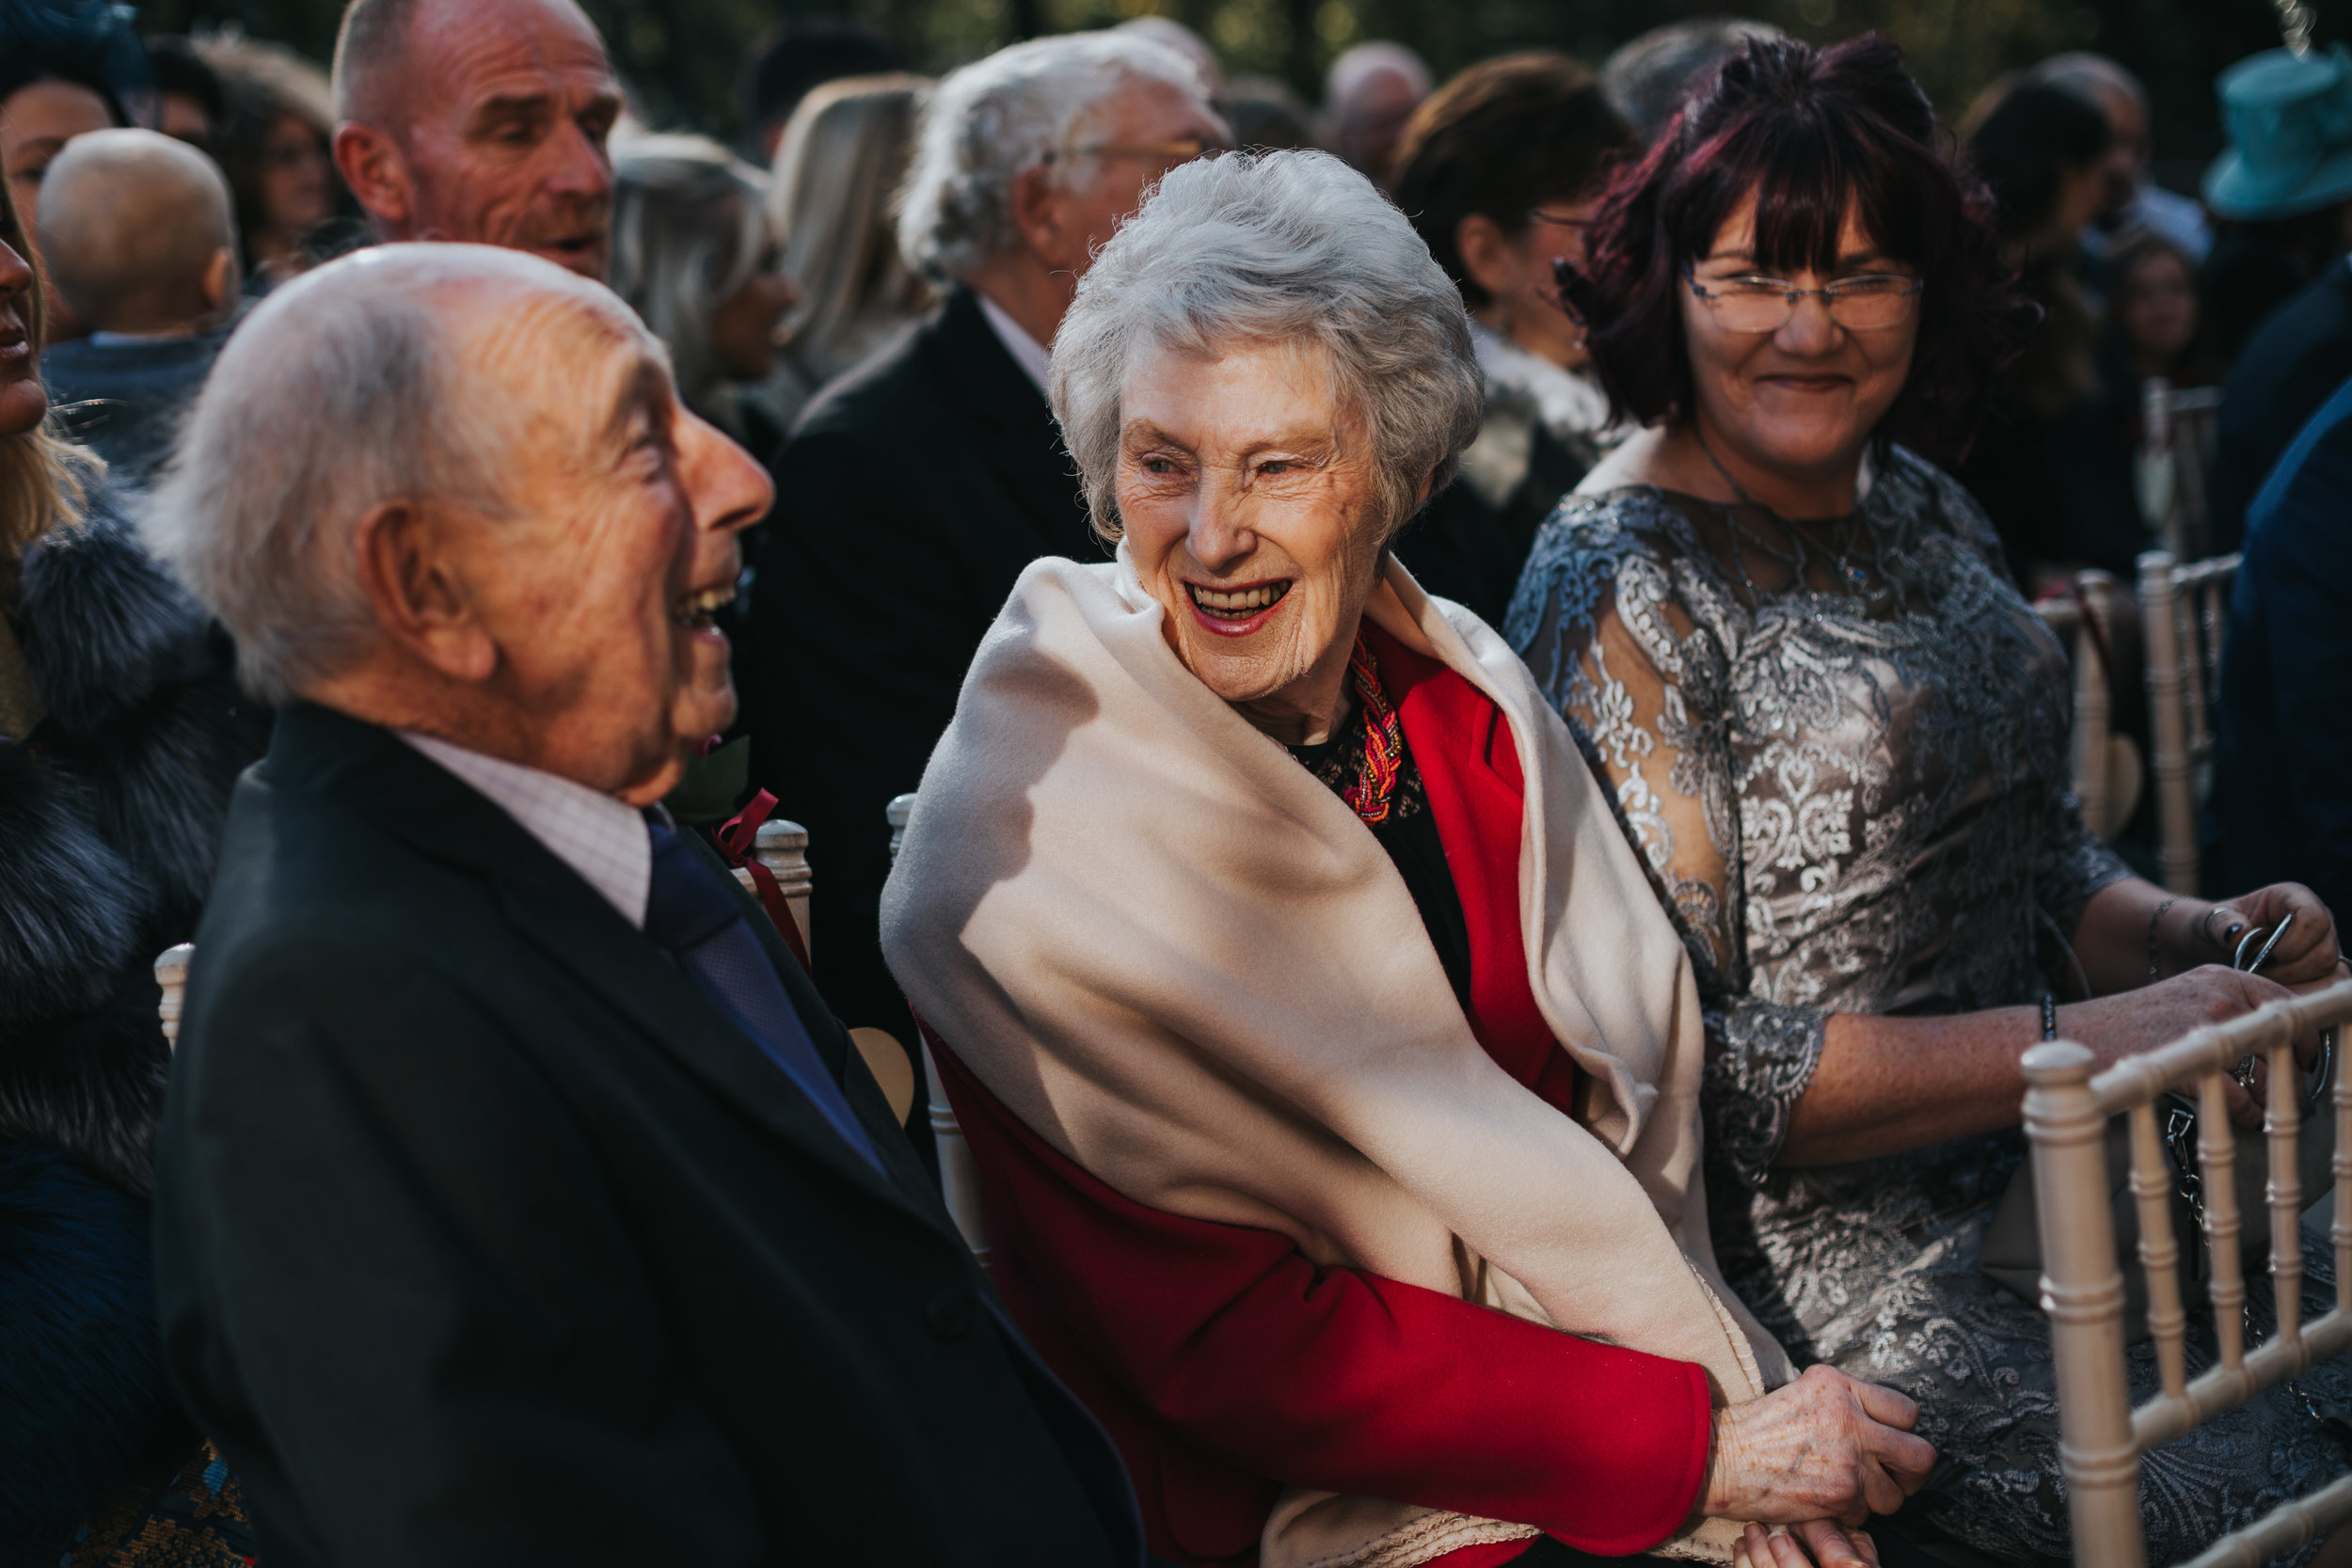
point(2153, 473)
point(2082, 1291)
point(959, 1175)
point(2093, 702)
point(2168, 718)
point(171, 973)
point(782, 848)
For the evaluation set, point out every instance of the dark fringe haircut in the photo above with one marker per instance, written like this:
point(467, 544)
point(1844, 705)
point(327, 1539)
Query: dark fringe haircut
point(1808, 131)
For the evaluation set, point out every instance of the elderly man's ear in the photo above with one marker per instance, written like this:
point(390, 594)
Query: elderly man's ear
point(372, 165)
point(224, 281)
point(1040, 208)
point(419, 595)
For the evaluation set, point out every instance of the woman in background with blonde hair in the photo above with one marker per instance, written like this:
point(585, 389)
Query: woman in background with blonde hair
point(831, 195)
point(121, 732)
point(694, 256)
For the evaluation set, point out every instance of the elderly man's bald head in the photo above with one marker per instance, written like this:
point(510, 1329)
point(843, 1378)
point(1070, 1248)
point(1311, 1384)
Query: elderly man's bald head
point(139, 233)
point(451, 488)
point(481, 120)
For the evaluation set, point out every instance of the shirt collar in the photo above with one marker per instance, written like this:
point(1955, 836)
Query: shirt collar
point(1026, 351)
point(601, 838)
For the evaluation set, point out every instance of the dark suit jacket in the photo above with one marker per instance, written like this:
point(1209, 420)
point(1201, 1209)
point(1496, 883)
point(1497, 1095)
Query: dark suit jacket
point(483, 1237)
point(2281, 805)
point(2290, 365)
point(910, 496)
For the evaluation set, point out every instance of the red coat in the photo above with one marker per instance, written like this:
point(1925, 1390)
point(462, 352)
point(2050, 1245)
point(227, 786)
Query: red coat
point(1226, 1365)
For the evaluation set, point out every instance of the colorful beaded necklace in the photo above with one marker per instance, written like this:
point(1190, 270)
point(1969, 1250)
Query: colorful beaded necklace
point(1384, 740)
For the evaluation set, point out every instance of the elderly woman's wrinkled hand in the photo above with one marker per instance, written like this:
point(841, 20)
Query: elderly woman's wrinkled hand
point(1825, 1447)
point(1819, 1544)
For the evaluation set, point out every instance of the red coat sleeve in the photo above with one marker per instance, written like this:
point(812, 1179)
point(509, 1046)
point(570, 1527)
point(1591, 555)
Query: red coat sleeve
point(1204, 1342)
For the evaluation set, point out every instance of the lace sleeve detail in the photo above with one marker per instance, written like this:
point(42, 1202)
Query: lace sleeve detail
point(1601, 621)
point(1760, 1056)
point(2072, 869)
point(1617, 618)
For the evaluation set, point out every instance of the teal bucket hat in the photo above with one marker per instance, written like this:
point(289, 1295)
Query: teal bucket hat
point(2290, 122)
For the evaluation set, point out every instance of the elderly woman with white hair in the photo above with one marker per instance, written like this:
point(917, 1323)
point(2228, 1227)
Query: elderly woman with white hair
point(1331, 1074)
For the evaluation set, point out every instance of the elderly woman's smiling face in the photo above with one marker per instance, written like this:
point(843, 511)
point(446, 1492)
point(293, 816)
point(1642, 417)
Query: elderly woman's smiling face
point(1253, 513)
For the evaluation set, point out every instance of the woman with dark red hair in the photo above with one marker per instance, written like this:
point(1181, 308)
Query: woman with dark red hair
point(1839, 737)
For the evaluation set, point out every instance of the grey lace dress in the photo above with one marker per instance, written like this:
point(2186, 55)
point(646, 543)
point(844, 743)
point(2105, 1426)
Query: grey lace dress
point(1843, 757)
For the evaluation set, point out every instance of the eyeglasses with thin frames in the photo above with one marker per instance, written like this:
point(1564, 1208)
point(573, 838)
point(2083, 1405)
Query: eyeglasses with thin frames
point(1870, 302)
point(1180, 149)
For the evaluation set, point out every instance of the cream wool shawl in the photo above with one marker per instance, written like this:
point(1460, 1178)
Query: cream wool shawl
point(1184, 963)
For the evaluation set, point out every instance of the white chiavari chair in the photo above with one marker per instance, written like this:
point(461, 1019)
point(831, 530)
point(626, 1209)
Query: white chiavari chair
point(172, 975)
point(2184, 611)
point(2103, 1436)
point(958, 1176)
point(782, 846)
point(2105, 765)
point(2176, 446)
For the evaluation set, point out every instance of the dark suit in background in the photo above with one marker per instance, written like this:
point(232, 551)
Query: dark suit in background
point(484, 1238)
point(2291, 366)
point(2282, 808)
point(909, 498)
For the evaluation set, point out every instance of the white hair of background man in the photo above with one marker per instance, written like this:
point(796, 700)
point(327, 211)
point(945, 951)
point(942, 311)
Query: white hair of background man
point(1293, 248)
point(342, 391)
point(997, 118)
point(1351, 70)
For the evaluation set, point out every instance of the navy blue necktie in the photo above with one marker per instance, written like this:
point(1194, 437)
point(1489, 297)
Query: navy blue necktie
point(699, 918)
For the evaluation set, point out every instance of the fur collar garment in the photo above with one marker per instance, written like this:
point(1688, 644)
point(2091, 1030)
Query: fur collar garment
point(1189, 967)
point(110, 815)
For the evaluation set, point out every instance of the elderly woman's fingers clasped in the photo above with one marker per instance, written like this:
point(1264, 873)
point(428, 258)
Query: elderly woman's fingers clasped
point(1825, 1447)
point(1817, 1544)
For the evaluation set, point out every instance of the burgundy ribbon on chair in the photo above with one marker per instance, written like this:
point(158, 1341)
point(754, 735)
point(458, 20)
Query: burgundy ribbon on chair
point(734, 839)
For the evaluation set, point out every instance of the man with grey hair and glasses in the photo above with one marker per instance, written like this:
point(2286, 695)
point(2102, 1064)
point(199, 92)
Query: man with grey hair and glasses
point(517, 1199)
point(915, 489)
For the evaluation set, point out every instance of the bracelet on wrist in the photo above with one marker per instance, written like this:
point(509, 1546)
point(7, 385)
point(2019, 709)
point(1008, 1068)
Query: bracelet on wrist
point(2156, 970)
point(2049, 1016)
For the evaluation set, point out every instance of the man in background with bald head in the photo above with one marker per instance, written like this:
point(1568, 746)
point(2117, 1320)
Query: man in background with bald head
point(480, 120)
point(140, 236)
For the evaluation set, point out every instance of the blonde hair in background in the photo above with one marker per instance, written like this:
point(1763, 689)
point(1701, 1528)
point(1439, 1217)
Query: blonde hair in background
point(44, 477)
point(689, 231)
point(841, 160)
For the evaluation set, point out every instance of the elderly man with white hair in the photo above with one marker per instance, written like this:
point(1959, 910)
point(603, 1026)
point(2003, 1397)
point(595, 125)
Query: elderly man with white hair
point(517, 1199)
point(914, 490)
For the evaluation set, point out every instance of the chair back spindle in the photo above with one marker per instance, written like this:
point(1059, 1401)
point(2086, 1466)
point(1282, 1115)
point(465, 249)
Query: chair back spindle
point(172, 975)
point(2103, 1436)
point(959, 1175)
point(2183, 615)
point(782, 846)
point(2081, 620)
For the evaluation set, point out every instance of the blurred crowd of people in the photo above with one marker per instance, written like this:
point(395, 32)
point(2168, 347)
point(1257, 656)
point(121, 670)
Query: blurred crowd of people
point(408, 426)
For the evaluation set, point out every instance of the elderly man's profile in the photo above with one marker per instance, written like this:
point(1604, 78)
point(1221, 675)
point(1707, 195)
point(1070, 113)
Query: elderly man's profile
point(519, 1200)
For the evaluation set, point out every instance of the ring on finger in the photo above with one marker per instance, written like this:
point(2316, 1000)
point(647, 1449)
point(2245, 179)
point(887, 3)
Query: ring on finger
point(2244, 1074)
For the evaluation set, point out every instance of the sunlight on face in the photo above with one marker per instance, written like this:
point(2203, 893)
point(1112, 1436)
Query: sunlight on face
point(600, 594)
point(1253, 515)
point(1805, 399)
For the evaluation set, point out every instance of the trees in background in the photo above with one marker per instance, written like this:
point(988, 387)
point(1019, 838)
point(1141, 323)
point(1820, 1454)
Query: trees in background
point(684, 58)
